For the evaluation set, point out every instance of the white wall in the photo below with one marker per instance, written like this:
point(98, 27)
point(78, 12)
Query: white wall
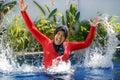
point(88, 8)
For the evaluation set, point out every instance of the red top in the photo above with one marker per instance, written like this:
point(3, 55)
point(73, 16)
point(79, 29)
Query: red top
point(47, 44)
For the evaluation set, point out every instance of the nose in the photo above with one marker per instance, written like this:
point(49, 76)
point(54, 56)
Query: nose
point(60, 36)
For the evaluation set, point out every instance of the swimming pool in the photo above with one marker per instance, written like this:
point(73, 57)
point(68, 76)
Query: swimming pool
point(33, 72)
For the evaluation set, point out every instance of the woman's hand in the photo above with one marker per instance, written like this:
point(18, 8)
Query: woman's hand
point(95, 22)
point(22, 5)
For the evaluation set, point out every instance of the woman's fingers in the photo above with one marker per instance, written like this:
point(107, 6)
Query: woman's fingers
point(95, 22)
point(22, 1)
point(22, 5)
point(90, 22)
point(25, 7)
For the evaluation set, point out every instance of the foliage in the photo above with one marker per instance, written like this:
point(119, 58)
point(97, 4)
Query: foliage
point(17, 34)
point(70, 19)
point(101, 35)
point(19, 37)
point(45, 28)
point(40, 8)
point(118, 36)
point(47, 23)
point(72, 16)
point(82, 32)
point(115, 22)
point(32, 45)
point(5, 8)
point(117, 53)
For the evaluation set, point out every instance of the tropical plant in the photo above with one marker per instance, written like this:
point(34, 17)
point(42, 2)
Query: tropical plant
point(118, 36)
point(71, 19)
point(19, 38)
point(17, 34)
point(82, 32)
point(48, 21)
point(101, 35)
point(4, 8)
point(115, 22)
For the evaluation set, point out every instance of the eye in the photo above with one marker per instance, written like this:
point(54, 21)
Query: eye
point(63, 35)
point(58, 33)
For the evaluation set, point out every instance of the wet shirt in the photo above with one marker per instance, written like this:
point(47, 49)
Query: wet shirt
point(50, 52)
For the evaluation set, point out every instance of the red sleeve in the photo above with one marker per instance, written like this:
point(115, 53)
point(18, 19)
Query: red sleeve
point(80, 45)
point(35, 32)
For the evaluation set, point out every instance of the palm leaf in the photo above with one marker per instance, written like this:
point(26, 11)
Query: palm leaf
point(63, 20)
point(1, 4)
point(10, 5)
point(68, 18)
point(47, 8)
point(52, 13)
point(72, 9)
point(41, 9)
point(77, 16)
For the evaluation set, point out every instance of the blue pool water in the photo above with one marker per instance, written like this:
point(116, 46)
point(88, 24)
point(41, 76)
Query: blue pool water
point(79, 73)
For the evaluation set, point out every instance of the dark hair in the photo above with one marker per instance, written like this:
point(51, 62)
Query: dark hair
point(63, 28)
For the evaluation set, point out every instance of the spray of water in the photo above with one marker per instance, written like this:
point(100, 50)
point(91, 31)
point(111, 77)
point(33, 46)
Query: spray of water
point(60, 66)
point(94, 56)
point(7, 61)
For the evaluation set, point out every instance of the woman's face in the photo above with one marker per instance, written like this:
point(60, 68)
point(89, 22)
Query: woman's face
point(59, 37)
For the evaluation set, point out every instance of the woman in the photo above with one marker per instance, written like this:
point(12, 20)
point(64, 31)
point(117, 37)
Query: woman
point(57, 47)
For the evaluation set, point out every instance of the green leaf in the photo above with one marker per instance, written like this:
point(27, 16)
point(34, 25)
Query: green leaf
point(72, 9)
point(63, 20)
point(7, 6)
point(47, 8)
point(77, 16)
point(41, 9)
point(1, 5)
point(68, 18)
point(22, 41)
point(10, 4)
point(54, 18)
point(52, 13)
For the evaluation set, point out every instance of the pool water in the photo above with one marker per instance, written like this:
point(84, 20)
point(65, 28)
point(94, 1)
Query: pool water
point(33, 72)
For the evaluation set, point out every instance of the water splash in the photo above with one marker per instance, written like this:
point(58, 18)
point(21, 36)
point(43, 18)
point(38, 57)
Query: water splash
point(7, 61)
point(60, 66)
point(94, 56)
